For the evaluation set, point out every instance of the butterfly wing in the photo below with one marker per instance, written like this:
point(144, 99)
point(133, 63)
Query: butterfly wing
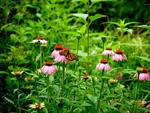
point(69, 56)
point(65, 53)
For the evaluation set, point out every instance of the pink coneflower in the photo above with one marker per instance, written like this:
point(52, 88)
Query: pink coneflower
point(37, 105)
point(62, 58)
point(108, 51)
point(103, 65)
point(144, 75)
point(86, 77)
point(120, 77)
point(48, 67)
point(40, 40)
point(57, 48)
point(148, 106)
point(119, 56)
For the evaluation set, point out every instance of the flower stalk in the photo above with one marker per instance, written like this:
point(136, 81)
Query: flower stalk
point(19, 109)
point(88, 31)
point(100, 95)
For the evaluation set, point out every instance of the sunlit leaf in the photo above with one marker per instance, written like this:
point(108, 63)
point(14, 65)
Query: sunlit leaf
point(144, 58)
point(83, 29)
point(143, 26)
point(83, 54)
point(81, 15)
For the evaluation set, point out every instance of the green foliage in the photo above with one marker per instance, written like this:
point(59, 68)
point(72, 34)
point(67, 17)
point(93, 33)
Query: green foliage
point(111, 23)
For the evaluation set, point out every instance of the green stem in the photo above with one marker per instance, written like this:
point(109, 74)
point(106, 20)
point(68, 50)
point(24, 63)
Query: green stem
point(100, 96)
point(118, 65)
point(18, 96)
point(63, 79)
point(136, 93)
point(41, 56)
point(108, 58)
point(137, 88)
point(77, 46)
point(88, 30)
point(103, 45)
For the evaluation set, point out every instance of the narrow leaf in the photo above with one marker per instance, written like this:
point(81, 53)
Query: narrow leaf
point(37, 58)
point(8, 100)
point(144, 58)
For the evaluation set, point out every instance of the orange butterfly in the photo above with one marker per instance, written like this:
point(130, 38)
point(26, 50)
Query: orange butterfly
point(68, 55)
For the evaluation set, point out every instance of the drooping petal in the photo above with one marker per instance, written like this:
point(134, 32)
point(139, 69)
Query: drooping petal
point(34, 41)
point(97, 67)
point(124, 57)
point(107, 67)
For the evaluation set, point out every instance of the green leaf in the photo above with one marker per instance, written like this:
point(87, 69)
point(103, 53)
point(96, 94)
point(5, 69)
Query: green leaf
point(81, 15)
point(71, 33)
point(102, 0)
point(39, 15)
point(39, 55)
point(3, 72)
point(84, 1)
point(129, 44)
point(92, 99)
point(5, 26)
point(53, 1)
point(113, 111)
point(86, 104)
point(83, 29)
point(77, 110)
point(51, 78)
point(95, 17)
point(130, 23)
point(8, 100)
point(81, 53)
point(144, 58)
point(143, 26)
point(14, 37)
point(18, 16)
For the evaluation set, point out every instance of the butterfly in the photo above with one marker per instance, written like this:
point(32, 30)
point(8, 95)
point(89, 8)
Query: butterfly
point(69, 56)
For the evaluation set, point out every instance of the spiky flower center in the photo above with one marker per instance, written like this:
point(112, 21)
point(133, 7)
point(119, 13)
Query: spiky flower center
point(119, 52)
point(145, 70)
point(103, 61)
point(85, 75)
point(58, 47)
point(37, 105)
point(48, 63)
point(40, 38)
point(66, 49)
point(108, 48)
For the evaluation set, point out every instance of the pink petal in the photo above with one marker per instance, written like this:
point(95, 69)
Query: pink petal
point(107, 67)
point(124, 56)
